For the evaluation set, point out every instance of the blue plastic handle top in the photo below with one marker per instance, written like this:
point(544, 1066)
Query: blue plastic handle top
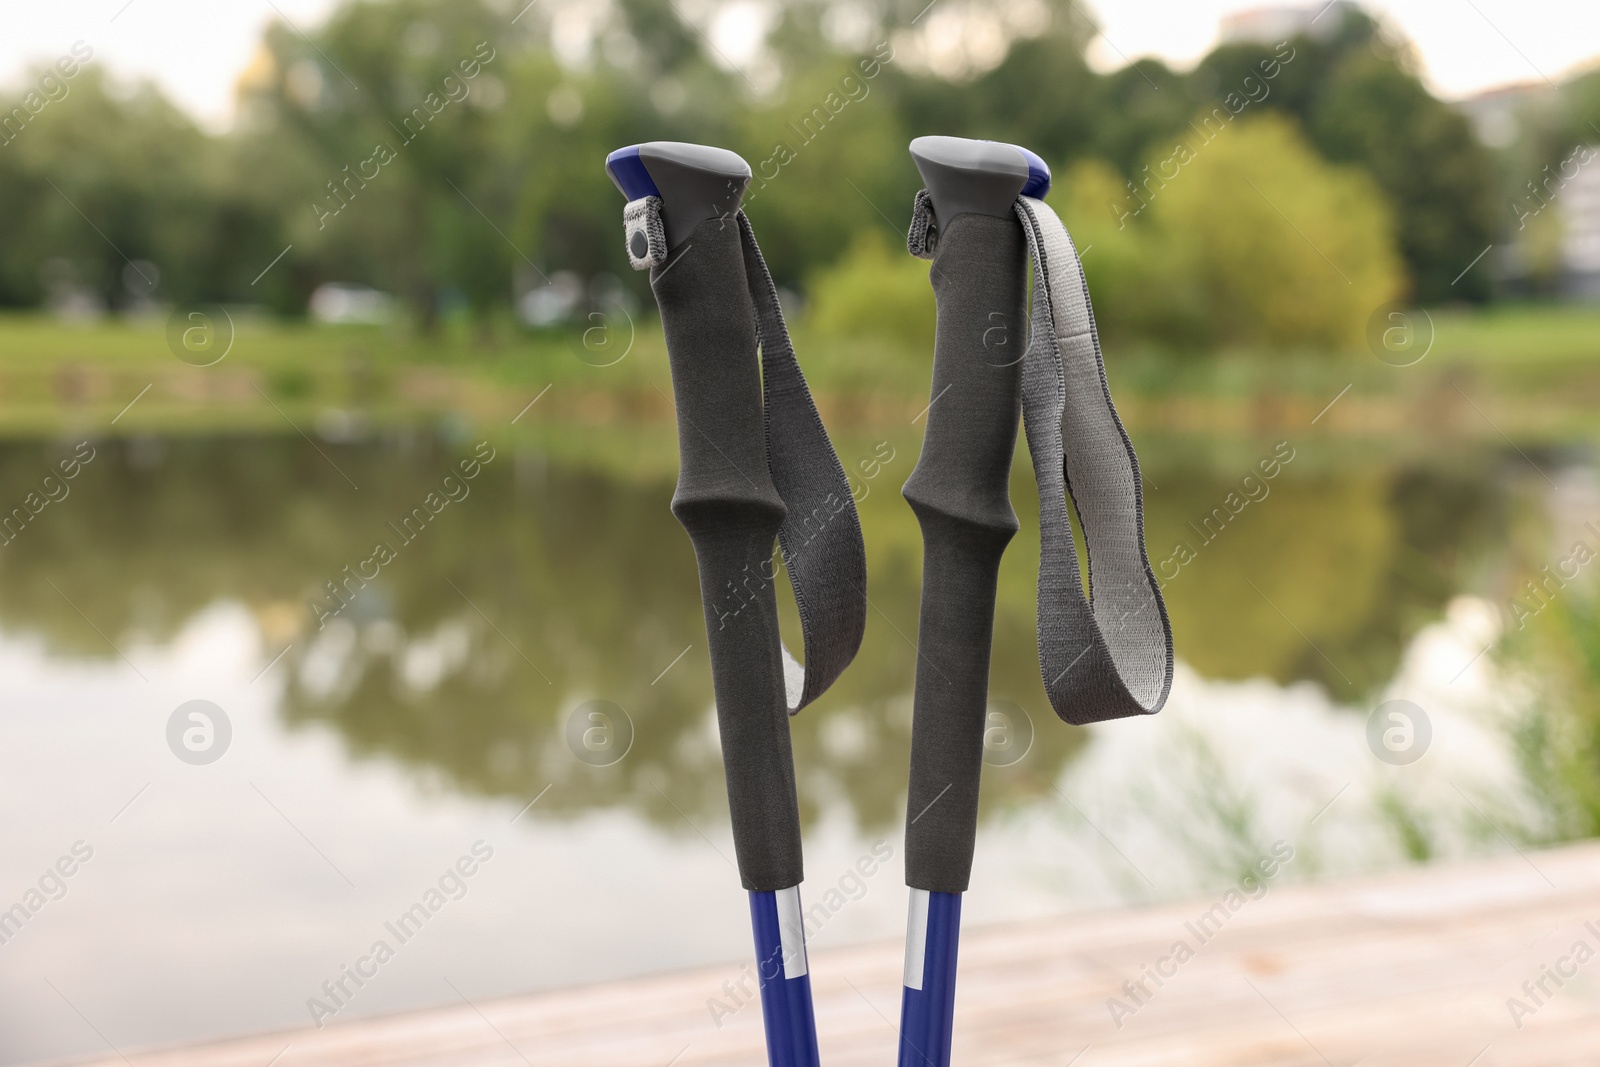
point(628, 173)
point(695, 182)
point(1038, 173)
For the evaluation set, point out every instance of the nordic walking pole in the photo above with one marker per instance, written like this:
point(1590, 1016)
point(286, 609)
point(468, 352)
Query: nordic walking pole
point(981, 220)
point(756, 465)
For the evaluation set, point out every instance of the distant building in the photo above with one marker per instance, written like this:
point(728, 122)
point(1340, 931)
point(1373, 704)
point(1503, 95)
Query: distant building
point(1269, 25)
point(1580, 231)
point(1498, 114)
point(1566, 194)
point(347, 304)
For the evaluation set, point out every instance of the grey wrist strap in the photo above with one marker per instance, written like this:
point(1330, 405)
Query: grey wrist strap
point(821, 536)
point(1109, 655)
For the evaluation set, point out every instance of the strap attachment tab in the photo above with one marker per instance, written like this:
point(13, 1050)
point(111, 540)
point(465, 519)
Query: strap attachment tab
point(646, 233)
point(922, 238)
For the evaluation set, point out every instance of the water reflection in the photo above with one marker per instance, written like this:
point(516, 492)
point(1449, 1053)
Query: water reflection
point(542, 585)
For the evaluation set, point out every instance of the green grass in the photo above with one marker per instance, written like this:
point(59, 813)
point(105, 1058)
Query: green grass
point(1507, 336)
point(1542, 361)
point(37, 343)
point(1524, 336)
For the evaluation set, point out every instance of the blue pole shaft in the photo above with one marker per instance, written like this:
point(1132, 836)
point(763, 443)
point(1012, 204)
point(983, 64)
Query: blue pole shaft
point(927, 1008)
point(784, 978)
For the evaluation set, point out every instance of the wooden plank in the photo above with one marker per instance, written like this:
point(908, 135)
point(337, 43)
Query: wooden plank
point(1411, 968)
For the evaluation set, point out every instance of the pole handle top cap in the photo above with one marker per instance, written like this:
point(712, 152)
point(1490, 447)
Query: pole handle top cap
point(985, 177)
point(695, 182)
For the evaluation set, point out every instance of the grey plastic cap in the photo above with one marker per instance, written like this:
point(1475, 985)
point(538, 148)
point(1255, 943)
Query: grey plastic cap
point(696, 182)
point(964, 175)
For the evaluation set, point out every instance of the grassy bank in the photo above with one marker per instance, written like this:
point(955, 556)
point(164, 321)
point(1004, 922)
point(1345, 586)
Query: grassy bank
point(1531, 371)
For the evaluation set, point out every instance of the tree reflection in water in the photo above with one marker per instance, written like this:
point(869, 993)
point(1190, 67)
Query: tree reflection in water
point(552, 584)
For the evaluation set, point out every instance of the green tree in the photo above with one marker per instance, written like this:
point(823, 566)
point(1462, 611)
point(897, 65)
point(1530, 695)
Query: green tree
point(1139, 289)
point(395, 100)
point(371, 155)
point(876, 290)
point(828, 162)
point(105, 180)
point(1360, 99)
point(1246, 239)
point(1424, 155)
point(1042, 94)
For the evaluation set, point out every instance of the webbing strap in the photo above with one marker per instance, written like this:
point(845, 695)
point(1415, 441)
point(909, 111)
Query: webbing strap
point(820, 537)
point(1107, 655)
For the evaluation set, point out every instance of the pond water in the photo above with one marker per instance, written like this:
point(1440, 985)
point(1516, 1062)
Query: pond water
point(433, 719)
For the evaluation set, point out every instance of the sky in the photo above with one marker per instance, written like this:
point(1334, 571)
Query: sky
point(1466, 45)
point(195, 49)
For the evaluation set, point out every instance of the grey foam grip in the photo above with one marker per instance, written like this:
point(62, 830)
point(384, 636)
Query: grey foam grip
point(959, 494)
point(727, 502)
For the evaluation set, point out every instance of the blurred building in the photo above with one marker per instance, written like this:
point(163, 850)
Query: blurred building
point(1553, 243)
point(1580, 235)
point(348, 304)
point(1500, 114)
point(1269, 25)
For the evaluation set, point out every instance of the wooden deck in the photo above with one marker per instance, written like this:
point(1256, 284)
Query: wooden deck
point(1413, 968)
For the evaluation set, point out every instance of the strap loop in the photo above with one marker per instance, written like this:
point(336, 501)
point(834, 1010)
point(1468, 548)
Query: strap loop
point(1107, 655)
point(821, 538)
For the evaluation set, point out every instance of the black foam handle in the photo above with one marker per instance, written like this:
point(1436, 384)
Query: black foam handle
point(726, 501)
point(959, 494)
